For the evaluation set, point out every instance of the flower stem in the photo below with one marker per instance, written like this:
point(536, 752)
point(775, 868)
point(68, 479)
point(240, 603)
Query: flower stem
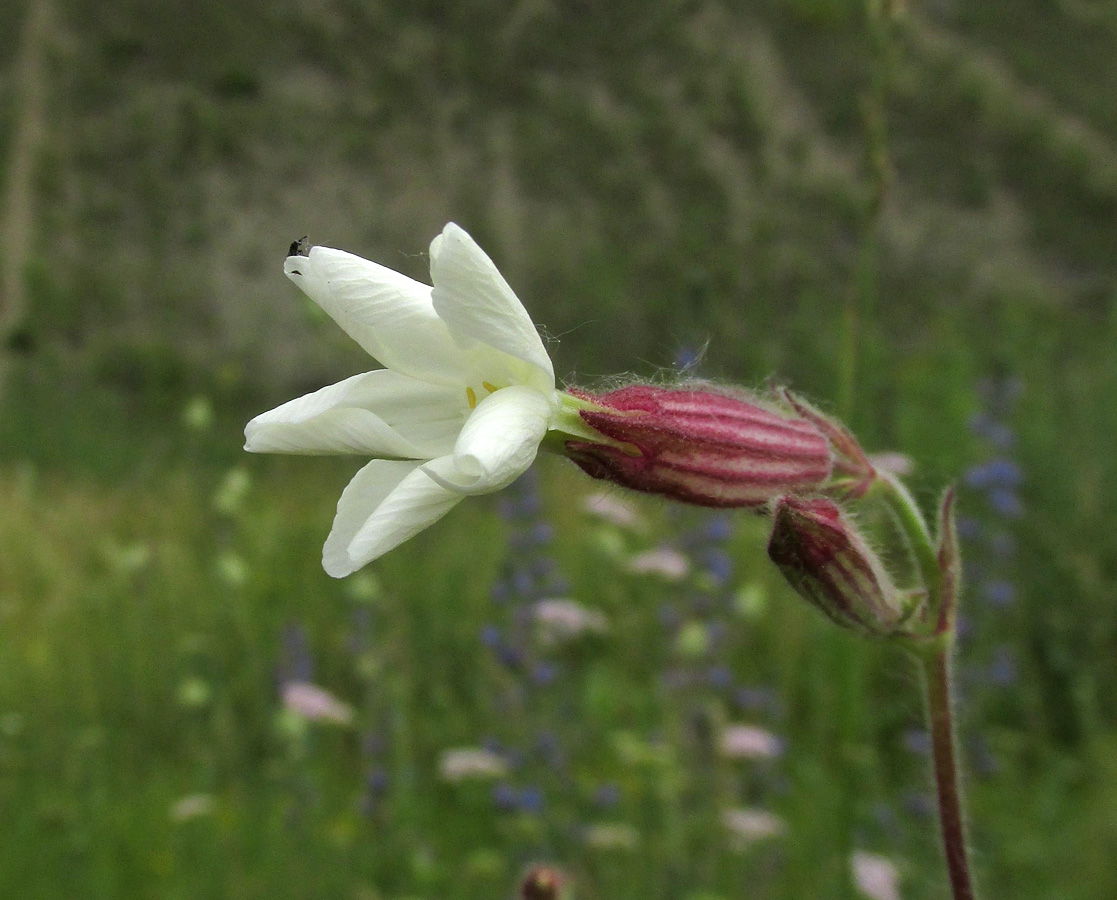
point(892, 491)
point(936, 679)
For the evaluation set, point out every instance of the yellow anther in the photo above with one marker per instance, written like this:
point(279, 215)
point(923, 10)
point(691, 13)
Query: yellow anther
point(491, 388)
point(471, 396)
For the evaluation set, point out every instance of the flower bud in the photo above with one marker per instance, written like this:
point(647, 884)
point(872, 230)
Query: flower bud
point(828, 562)
point(699, 446)
point(543, 882)
point(853, 469)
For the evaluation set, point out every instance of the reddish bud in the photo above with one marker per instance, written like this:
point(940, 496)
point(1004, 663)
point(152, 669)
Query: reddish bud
point(542, 882)
point(700, 446)
point(851, 464)
point(828, 562)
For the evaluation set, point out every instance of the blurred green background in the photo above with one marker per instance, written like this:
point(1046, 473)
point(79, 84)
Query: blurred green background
point(906, 210)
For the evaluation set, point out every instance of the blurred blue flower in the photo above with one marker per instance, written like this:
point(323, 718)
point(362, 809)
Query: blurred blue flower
point(718, 528)
point(718, 565)
point(999, 592)
point(918, 804)
point(969, 528)
point(559, 586)
point(997, 472)
point(542, 567)
point(298, 664)
point(509, 657)
point(755, 699)
point(505, 797)
point(668, 615)
point(918, 741)
point(982, 760)
point(607, 795)
point(719, 677)
point(531, 799)
point(376, 782)
point(1003, 545)
point(687, 358)
point(523, 582)
point(550, 749)
point(716, 632)
point(544, 673)
point(1002, 671)
point(1006, 503)
point(373, 743)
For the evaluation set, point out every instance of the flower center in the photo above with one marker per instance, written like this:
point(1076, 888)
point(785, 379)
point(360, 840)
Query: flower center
point(471, 395)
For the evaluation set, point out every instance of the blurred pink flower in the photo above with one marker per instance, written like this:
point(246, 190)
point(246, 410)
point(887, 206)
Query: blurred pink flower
point(192, 806)
point(562, 620)
point(749, 824)
point(615, 510)
point(875, 876)
point(315, 704)
point(749, 742)
point(669, 564)
point(462, 763)
point(899, 464)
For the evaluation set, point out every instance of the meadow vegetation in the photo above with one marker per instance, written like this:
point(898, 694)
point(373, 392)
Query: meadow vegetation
point(913, 225)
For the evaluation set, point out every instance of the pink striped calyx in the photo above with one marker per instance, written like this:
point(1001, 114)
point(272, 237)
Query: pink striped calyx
point(700, 446)
point(854, 473)
point(823, 555)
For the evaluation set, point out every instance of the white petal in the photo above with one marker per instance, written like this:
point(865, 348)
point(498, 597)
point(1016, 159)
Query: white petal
point(498, 443)
point(379, 413)
point(473, 298)
point(387, 502)
point(390, 315)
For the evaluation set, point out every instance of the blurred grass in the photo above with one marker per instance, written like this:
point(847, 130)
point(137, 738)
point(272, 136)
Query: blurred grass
point(144, 624)
point(649, 179)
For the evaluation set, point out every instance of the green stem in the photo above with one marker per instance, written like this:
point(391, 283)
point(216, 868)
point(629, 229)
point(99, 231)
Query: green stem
point(934, 658)
point(903, 506)
point(936, 680)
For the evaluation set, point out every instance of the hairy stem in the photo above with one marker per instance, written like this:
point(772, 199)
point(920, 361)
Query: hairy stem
point(892, 491)
point(936, 679)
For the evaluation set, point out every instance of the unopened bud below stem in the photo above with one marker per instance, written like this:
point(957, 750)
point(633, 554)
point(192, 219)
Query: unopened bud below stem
point(828, 562)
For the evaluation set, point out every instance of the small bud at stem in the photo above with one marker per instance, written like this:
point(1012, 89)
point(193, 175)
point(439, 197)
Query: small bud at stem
point(851, 464)
point(542, 882)
point(824, 557)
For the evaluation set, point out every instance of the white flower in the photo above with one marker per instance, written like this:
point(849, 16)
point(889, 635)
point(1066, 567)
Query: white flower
point(467, 396)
